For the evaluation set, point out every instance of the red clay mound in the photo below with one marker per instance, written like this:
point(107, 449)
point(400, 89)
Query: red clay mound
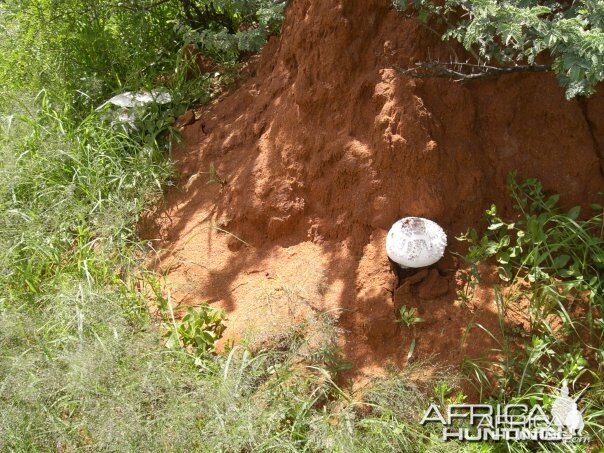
point(312, 160)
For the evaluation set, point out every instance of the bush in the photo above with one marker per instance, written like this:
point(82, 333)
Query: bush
point(513, 33)
point(85, 50)
point(227, 30)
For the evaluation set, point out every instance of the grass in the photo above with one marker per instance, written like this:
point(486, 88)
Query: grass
point(551, 267)
point(83, 361)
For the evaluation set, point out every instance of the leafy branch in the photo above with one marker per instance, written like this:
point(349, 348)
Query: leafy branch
point(465, 71)
point(512, 35)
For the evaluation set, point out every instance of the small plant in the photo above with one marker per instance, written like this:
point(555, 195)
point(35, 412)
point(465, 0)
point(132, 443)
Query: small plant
point(441, 390)
point(408, 316)
point(558, 255)
point(470, 279)
point(198, 331)
point(446, 394)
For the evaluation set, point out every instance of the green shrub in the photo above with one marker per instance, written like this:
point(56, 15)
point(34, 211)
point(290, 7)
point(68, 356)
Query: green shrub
point(519, 32)
point(243, 29)
point(85, 51)
point(199, 330)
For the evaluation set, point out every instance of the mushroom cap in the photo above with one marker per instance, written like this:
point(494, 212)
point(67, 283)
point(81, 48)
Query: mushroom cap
point(415, 242)
point(128, 99)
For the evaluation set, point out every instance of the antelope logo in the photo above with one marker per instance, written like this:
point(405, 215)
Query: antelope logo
point(565, 413)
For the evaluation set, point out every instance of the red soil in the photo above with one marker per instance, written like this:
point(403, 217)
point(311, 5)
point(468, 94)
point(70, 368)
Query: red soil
point(325, 148)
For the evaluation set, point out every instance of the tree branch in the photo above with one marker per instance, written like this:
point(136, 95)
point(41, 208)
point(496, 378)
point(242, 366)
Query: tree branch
point(464, 71)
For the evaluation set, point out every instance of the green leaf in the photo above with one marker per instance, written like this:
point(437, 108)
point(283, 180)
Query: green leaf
point(411, 349)
point(552, 201)
point(561, 261)
point(503, 258)
point(574, 213)
point(423, 15)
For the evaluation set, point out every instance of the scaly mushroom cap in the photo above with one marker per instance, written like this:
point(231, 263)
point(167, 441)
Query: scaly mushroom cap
point(415, 242)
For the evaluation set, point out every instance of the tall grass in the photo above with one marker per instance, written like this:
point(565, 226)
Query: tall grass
point(549, 303)
point(82, 363)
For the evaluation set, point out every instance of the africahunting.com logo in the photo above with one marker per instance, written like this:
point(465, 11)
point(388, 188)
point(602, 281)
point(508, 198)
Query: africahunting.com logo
point(511, 422)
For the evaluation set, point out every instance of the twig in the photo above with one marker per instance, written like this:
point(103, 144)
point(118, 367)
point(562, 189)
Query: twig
point(464, 71)
point(231, 234)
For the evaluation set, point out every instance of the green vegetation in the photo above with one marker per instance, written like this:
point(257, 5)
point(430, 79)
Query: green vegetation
point(85, 51)
point(551, 264)
point(199, 330)
point(87, 365)
point(520, 35)
point(242, 26)
point(408, 316)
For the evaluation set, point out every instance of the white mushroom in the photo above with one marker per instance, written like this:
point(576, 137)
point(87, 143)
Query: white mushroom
point(415, 242)
point(128, 99)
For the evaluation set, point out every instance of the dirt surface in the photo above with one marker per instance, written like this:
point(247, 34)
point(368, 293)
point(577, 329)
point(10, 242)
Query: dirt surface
point(290, 182)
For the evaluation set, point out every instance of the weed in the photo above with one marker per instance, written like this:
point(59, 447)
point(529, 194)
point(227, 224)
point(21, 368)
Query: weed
point(446, 394)
point(198, 330)
point(551, 264)
point(470, 279)
point(408, 316)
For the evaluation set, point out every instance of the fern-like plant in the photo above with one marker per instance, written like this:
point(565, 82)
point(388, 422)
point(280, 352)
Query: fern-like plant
point(514, 35)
